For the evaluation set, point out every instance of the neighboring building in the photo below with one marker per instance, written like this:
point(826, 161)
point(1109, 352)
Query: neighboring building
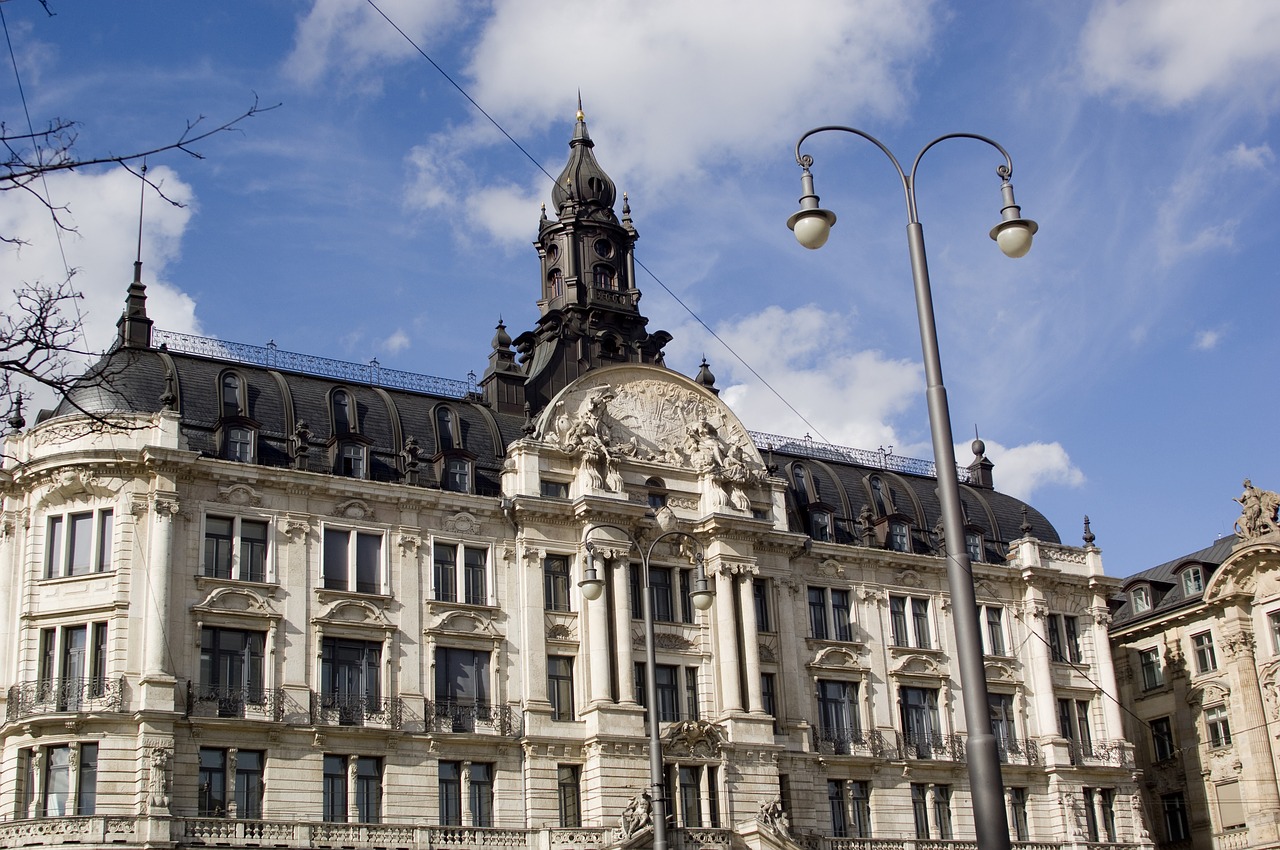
point(1197, 647)
point(291, 602)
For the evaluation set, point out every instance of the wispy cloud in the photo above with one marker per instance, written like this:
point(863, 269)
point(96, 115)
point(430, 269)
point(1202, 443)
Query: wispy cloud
point(1207, 340)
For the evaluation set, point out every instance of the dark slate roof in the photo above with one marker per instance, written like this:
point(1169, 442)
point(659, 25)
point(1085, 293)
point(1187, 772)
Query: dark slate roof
point(136, 380)
point(1166, 584)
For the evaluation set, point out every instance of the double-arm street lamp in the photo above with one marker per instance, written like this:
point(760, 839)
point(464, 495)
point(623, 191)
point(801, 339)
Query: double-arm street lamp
point(812, 226)
point(702, 596)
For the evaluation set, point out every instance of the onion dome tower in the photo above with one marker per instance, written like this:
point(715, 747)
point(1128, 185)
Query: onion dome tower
point(588, 298)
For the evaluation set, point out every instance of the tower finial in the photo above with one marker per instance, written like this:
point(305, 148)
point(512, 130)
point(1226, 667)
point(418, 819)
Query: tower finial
point(581, 115)
point(134, 326)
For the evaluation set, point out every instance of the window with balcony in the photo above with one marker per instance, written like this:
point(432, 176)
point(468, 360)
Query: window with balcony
point(72, 666)
point(351, 678)
point(1075, 726)
point(470, 584)
point(830, 614)
point(1162, 747)
point(913, 632)
point(1217, 727)
point(352, 560)
point(555, 582)
point(59, 780)
point(1152, 671)
point(78, 544)
point(231, 667)
point(1003, 726)
point(569, 795)
point(235, 548)
point(1206, 658)
point(560, 686)
point(921, 727)
point(462, 679)
point(839, 722)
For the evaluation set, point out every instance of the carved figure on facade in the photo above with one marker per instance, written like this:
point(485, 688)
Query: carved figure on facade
point(773, 816)
point(691, 738)
point(1270, 690)
point(157, 777)
point(1073, 807)
point(1140, 832)
point(1257, 512)
point(637, 816)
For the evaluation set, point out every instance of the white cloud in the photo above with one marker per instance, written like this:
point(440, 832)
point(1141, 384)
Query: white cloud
point(1207, 340)
point(1252, 159)
point(350, 35)
point(1022, 470)
point(397, 342)
point(1176, 51)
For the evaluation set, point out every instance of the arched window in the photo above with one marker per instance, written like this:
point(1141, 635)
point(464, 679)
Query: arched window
point(555, 284)
point(343, 421)
point(447, 429)
point(657, 492)
point(877, 494)
point(233, 395)
point(604, 278)
point(803, 486)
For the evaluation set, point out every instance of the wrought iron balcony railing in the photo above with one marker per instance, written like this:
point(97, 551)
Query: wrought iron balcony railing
point(249, 703)
point(850, 741)
point(931, 745)
point(467, 716)
point(56, 696)
point(329, 709)
point(1013, 751)
point(1112, 753)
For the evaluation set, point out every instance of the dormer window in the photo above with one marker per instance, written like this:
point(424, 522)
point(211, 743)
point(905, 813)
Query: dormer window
point(1140, 599)
point(877, 495)
point(446, 429)
point(351, 460)
point(233, 401)
point(899, 537)
point(457, 477)
point(820, 526)
point(340, 404)
point(804, 488)
point(973, 545)
point(239, 444)
point(1192, 581)
point(237, 434)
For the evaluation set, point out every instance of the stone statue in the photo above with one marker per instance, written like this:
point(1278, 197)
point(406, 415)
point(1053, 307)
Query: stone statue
point(773, 816)
point(1257, 512)
point(638, 815)
point(157, 780)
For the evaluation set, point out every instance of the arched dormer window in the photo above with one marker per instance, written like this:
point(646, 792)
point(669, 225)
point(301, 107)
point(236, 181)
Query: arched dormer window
point(973, 545)
point(454, 465)
point(447, 429)
point(877, 495)
point(237, 434)
point(804, 487)
point(1140, 599)
point(1192, 580)
point(342, 409)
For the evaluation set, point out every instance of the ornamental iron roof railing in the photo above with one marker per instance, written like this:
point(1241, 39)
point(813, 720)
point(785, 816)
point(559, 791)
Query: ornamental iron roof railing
point(806, 446)
point(271, 357)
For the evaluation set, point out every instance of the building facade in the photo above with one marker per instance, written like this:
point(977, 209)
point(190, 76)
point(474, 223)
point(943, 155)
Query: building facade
point(259, 598)
point(1197, 647)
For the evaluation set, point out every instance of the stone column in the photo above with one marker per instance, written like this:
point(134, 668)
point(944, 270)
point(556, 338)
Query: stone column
point(620, 575)
point(726, 658)
point(353, 770)
point(1252, 741)
point(1100, 815)
point(468, 817)
point(1040, 667)
point(1106, 670)
point(597, 643)
point(164, 507)
point(750, 641)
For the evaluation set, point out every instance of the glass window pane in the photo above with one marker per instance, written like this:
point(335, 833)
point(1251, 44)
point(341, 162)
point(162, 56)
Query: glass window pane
point(105, 521)
point(57, 779)
point(53, 547)
point(81, 544)
point(253, 550)
point(368, 563)
point(87, 782)
point(336, 572)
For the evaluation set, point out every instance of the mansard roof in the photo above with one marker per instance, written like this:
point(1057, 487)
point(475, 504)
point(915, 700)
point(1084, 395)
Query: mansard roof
point(1169, 593)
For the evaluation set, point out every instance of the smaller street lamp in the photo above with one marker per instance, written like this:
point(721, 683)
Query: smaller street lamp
point(702, 597)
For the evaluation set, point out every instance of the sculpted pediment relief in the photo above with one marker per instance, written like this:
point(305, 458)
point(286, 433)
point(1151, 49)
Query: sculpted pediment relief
point(918, 665)
point(464, 623)
point(355, 612)
point(234, 600)
point(998, 671)
point(643, 414)
point(73, 483)
point(836, 657)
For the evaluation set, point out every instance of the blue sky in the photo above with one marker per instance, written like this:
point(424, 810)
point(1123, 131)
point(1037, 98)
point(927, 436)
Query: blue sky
point(1123, 369)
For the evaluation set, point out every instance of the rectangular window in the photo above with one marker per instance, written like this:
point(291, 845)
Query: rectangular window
point(231, 668)
point(1206, 658)
point(1053, 630)
point(368, 789)
point(471, 585)
point(921, 729)
point(1152, 674)
point(450, 786)
point(481, 794)
point(1018, 803)
point(555, 582)
point(344, 549)
point(211, 800)
point(249, 769)
point(860, 800)
point(667, 676)
point(1090, 813)
point(760, 598)
point(57, 781)
point(1192, 582)
point(769, 696)
point(1071, 628)
point(72, 665)
point(1274, 619)
point(818, 613)
point(553, 489)
point(691, 693)
point(917, 633)
point(898, 537)
point(838, 714)
point(235, 548)
point(842, 628)
point(660, 587)
point(350, 675)
point(78, 544)
point(920, 809)
point(335, 788)
point(839, 809)
point(1063, 631)
point(1217, 726)
point(1000, 707)
point(569, 795)
point(942, 811)
point(920, 622)
point(1177, 826)
point(462, 676)
point(1161, 739)
point(898, 620)
point(87, 780)
point(995, 630)
point(560, 686)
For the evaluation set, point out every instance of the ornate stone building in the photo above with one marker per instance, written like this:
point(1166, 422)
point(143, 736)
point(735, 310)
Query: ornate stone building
point(1197, 647)
point(265, 599)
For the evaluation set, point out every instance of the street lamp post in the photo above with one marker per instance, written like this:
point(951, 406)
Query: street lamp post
point(702, 596)
point(812, 226)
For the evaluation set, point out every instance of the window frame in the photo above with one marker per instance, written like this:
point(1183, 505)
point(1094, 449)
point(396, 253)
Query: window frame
point(237, 544)
point(910, 622)
point(993, 636)
point(1140, 599)
point(569, 795)
point(60, 543)
point(454, 585)
point(1163, 746)
point(560, 687)
point(352, 582)
point(1205, 654)
point(830, 613)
point(1193, 580)
point(1217, 727)
point(1149, 662)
